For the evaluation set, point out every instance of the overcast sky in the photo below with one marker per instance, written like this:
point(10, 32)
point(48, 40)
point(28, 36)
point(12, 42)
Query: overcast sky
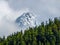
point(44, 9)
point(11, 9)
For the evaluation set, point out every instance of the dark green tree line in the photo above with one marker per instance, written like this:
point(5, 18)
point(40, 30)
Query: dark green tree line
point(44, 34)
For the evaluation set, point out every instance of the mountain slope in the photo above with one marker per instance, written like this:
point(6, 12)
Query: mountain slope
point(27, 19)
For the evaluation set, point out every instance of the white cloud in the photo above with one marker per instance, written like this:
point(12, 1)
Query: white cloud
point(4, 7)
point(7, 18)
point(43, 8)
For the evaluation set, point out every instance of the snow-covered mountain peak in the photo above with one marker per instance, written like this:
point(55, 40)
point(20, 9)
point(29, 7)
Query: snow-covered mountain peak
point(27, 19)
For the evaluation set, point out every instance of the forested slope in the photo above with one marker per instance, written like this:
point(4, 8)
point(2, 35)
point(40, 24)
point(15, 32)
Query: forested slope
point(45, 34)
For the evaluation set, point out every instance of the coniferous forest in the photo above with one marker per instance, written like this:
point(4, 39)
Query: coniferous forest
point(44, 34)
